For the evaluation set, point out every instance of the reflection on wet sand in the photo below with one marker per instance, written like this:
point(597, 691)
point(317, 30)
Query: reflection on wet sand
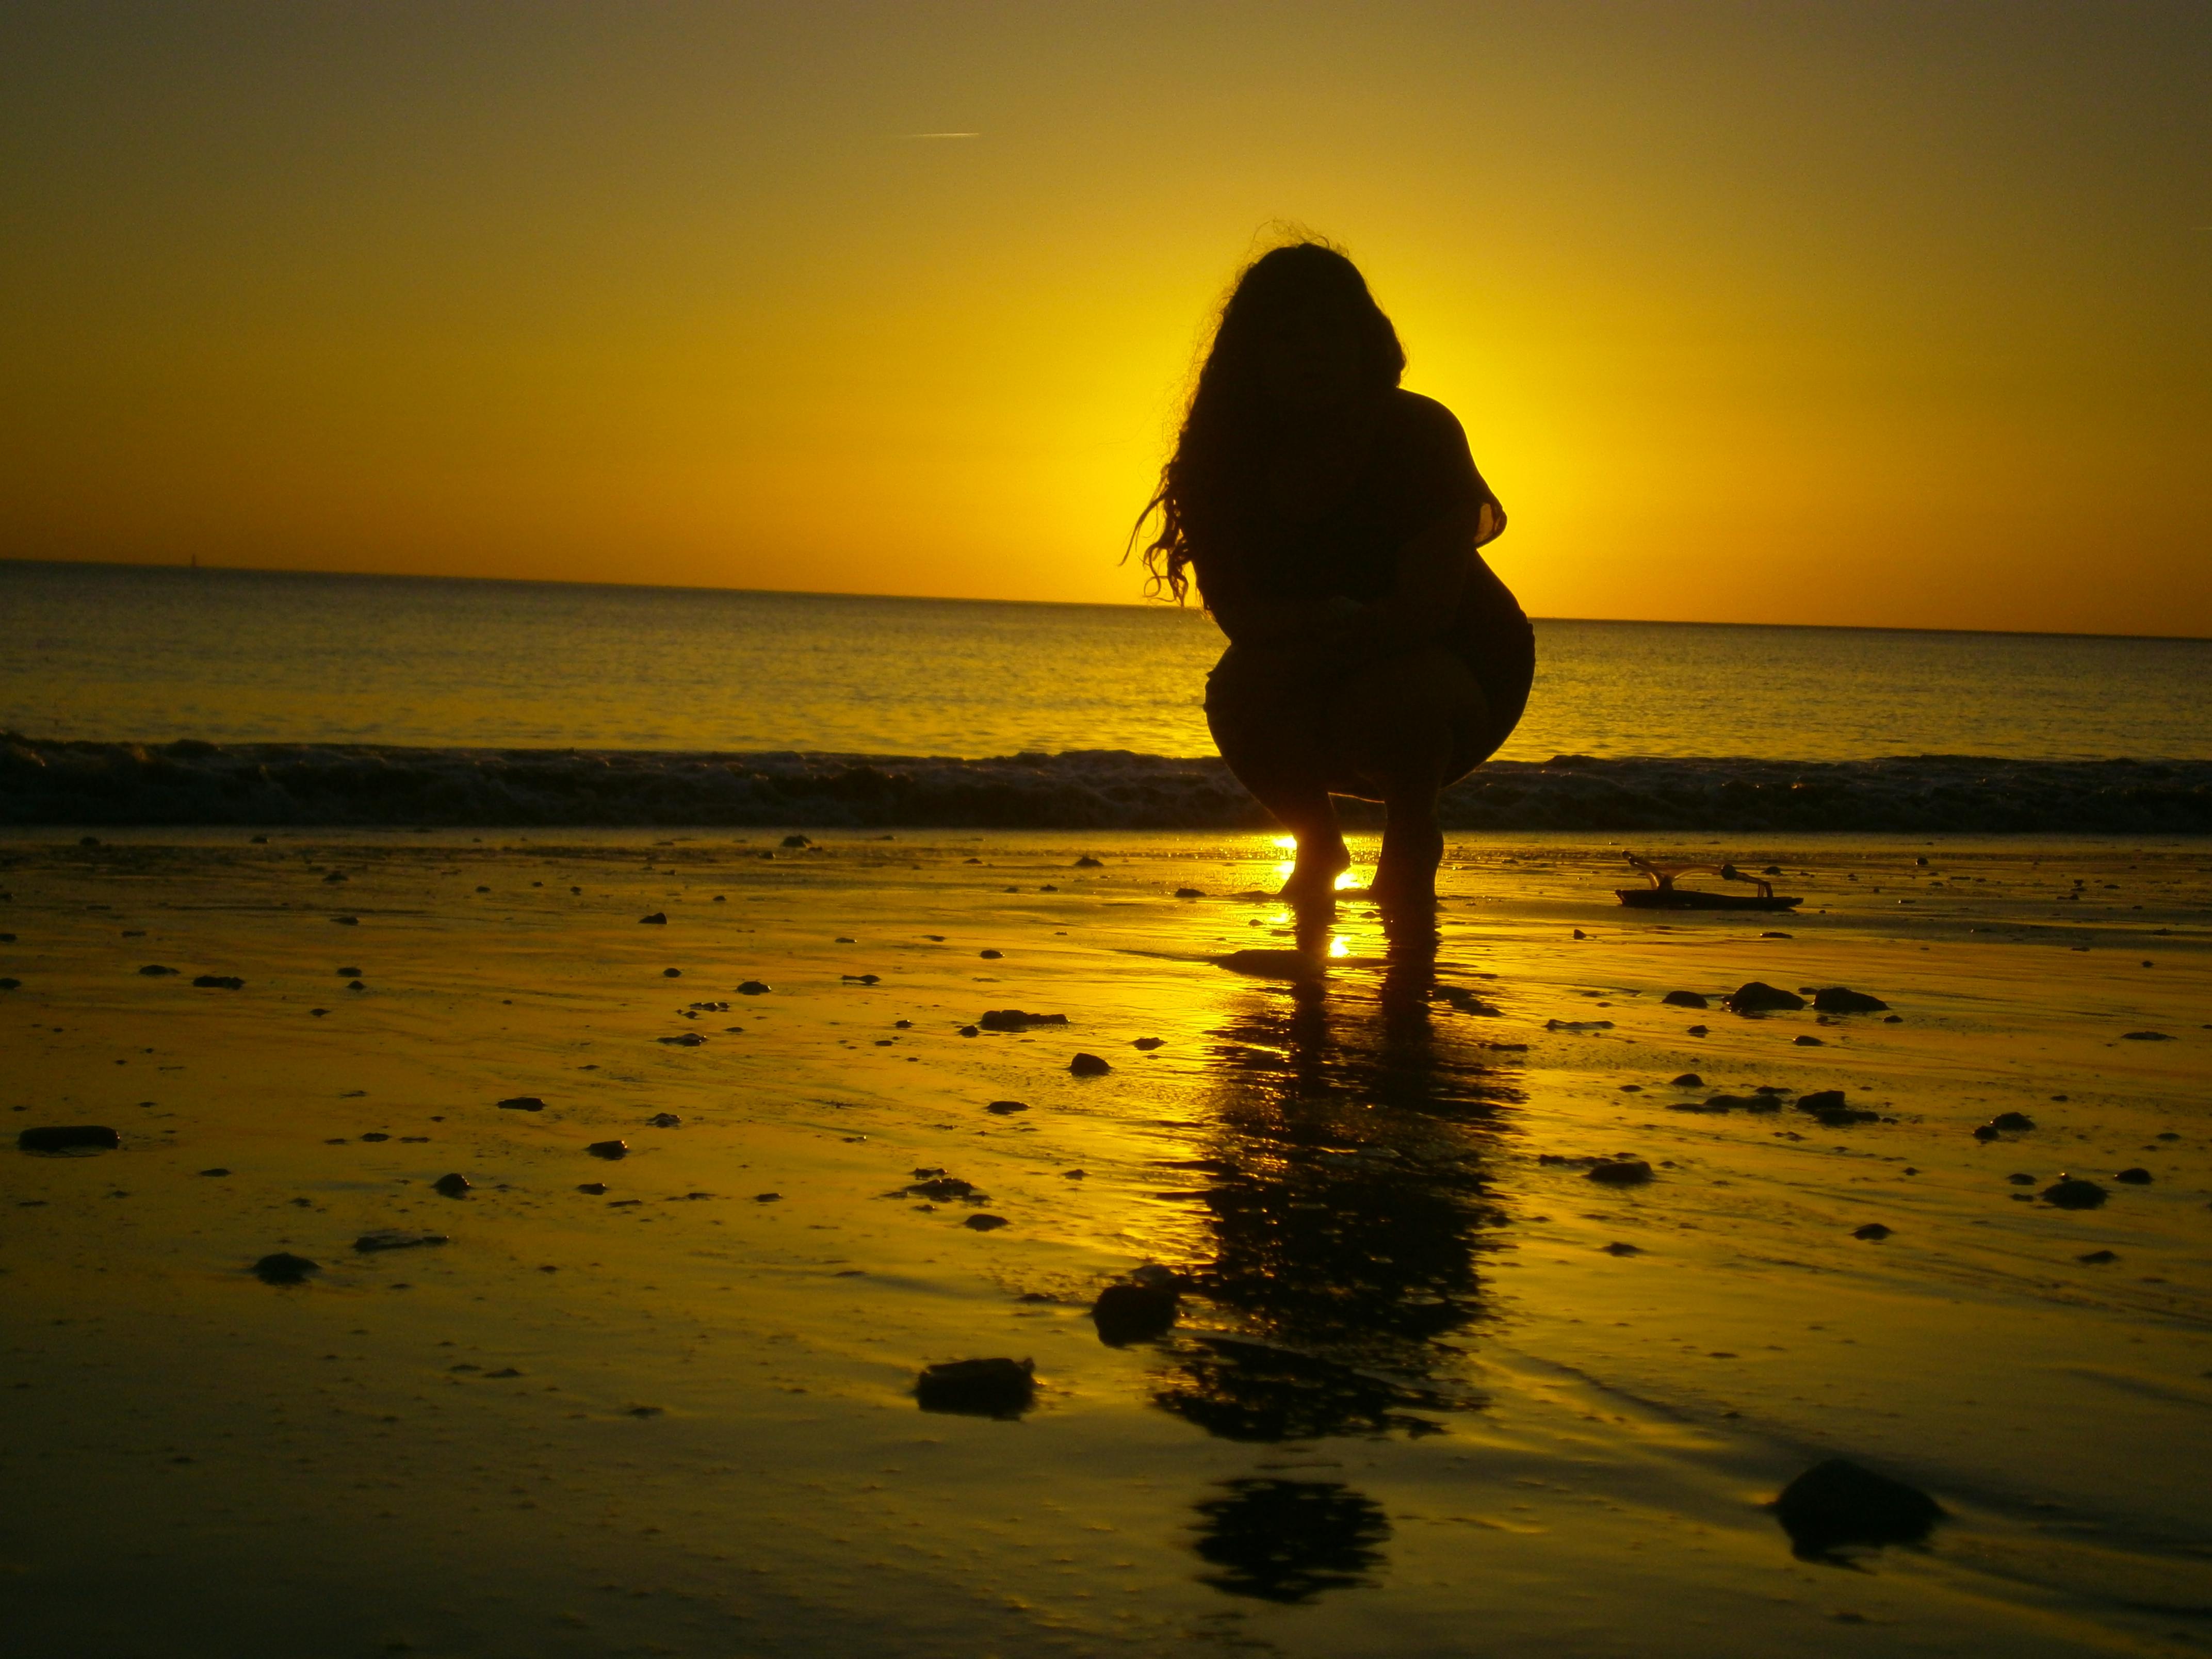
point(1348, 1209)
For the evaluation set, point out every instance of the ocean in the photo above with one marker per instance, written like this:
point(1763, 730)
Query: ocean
point(293, 697)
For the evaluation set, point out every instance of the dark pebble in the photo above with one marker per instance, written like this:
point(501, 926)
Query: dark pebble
point(671, 972)
point(1014, 1019)
point(1189, 892)
point(768, 1198)
point(1838, 1503)
point(218, 1170)
point(1621, 1172)
point(1699, 1031)
point(1688, 1080)
point(1147, 1043)
point(978, 1387)
point(7, 984)
point(376, 1134)
point(663, 1121)
point(969, 1030)
point(155, 971)
point(70, 1138)
point(991, 956)
point(522, 1104)
point(394, 1238)
point(220, 982)
point(1873, 1229)
point(1835, 1000)
point(1618, 1248)
point(1686, 999)
point(595, 1188)
point(453, 1186)
point(658, 918)
point(2098, 1258)
point(285, 1268)
point(985, 1224)
point(797, 841)
point(2137, 1177)
point(753, 988)
point(1134, 1313)
point(2145, 1037)
point(1007, 1107)
point(1088, 1065)
point(941, 1189)
point(609, 1149)
point(2071, 1193)
point(2021, 1180)
point(1086, 862)
point(1757, 997)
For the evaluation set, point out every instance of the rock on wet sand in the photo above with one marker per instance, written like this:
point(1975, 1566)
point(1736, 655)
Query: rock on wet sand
point(70, 1138)
point(1838, 1503)
point(978, 1387)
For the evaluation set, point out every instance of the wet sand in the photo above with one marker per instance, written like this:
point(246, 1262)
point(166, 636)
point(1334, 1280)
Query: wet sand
point(1433, 1389)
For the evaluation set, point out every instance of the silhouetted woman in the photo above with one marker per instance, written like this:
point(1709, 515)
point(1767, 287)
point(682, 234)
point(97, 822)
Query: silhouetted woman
point(1331, 518)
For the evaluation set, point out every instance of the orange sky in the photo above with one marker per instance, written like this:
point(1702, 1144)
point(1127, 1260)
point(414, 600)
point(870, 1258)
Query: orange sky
point(1854, 313)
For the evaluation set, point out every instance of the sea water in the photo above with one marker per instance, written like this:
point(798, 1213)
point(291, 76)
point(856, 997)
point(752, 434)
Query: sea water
point(156, 697)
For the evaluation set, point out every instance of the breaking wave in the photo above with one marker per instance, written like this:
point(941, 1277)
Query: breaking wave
point(191, 782)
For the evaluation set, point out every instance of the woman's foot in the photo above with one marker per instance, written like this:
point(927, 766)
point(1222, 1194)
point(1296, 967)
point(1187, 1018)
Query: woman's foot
point(1413, 847)
point(1313, 877)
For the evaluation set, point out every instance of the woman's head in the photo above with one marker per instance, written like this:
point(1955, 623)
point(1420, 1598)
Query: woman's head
point(1299, 338)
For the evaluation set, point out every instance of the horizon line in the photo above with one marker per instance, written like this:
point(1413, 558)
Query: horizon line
point(196, 567)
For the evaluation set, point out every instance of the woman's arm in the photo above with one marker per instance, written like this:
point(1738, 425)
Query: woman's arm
point(1432, 570)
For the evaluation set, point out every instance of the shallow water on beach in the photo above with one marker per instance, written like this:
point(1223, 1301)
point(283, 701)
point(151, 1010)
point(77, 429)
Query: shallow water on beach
point(1432, 1389)
point(143, 654)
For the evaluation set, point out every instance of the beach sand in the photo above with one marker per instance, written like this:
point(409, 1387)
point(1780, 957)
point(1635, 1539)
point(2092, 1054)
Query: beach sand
point(1433, 1389)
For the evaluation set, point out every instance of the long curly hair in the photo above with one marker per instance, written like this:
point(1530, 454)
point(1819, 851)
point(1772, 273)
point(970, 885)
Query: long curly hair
point(1227, 428)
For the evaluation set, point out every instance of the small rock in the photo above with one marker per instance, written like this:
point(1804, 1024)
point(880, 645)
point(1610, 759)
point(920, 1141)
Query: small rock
point(285, 1268)
point(985, 1224)
point(2098, 1258)
point(217, 1170)
point(1147, 1043)
point(942, 1188)
point(220, 982)
point(1189, 892)
point(595, 1188)
point(1757, 997)
point(522, 1104)
point(754, 988)
point(991, 955)
point(1620, 1172)
point(1007, 1107)
point(684, 1040)
point(155, 971)
point(1688, 1080)
point(671, 972)
point(1873, 1229)
point(796, 841)
point(2145, 1037)
point(1699, 1031)
point(70, 1138)
point(969, 1030)
point(1686, 1000)
point(2012, 1122)
point(1086, 862)
point(609, 1149)
point(658, 918)
point(2021, 1180)
point(1014, 1019)
point(1135, 1313)
point(2071, 1193)
point(1620, 1248)
point(1088, 1065)
point(2137, 1177)
point(1838, 1503)
point(394, 1238)
point(1808, 1042)
point(978, 1387)
point(1835, 1000)
point(768, 1198)
point(663, 1121)
point(450, 1185)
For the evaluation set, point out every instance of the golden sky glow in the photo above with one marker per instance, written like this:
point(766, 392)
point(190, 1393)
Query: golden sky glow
point(1853, 313)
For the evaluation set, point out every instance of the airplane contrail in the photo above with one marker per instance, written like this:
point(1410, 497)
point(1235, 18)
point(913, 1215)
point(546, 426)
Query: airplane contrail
point(943, 134)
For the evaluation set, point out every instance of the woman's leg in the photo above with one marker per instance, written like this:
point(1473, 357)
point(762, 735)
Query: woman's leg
point(1393, 733)
point(1267, 712)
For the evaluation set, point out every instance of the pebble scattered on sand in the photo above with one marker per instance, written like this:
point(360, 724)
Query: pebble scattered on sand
point(1620, 1172)
point(2072, 1193)
point(1088, 1065)
point(2137, 1177)
point(219, 983)
point(452, 1186)
point(978, 1387)
point(1836, 999)
point(1757, 997)
point(1838, 1503)
point(1873, 1229)
point(658, 918)
point(70, 1138)
point(609, 1149)
point(397, 1238)
point(1007, 1107)
point(985, 1222)
point(1134, 1312)
point(522, 1104)
point(282, 1267)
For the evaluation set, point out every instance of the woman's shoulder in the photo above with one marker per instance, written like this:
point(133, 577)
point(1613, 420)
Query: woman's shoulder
point(1412, 412)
